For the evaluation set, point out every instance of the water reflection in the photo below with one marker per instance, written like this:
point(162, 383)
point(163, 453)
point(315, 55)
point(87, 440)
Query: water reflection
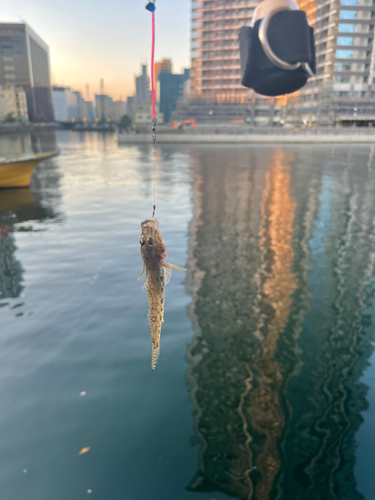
point(21, 209)
point(10, 269)
point(280, 261)
point(18, 211)
point(17, 144)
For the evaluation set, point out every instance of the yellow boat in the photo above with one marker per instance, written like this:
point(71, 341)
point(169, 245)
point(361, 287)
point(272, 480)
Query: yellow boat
point(16, 172)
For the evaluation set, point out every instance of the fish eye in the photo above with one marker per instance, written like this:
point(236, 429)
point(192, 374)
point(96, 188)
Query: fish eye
point(151, 241)
point(142, 242)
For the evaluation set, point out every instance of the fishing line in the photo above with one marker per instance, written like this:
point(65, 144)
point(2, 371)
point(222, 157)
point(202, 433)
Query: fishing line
point(151, 7)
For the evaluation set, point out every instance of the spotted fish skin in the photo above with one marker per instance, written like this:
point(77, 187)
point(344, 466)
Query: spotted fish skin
point(156, 281)
point(154, 253)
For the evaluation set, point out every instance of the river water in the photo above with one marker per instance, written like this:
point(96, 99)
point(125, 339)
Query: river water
point(265, 386)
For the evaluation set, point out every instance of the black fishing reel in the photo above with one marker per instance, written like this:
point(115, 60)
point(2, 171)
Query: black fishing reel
point(277, 52)
point(151, 6)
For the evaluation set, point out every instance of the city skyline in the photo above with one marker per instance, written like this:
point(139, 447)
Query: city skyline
point(110, 42)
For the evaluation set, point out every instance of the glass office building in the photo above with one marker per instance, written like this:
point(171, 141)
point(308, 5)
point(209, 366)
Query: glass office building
point(24, 62)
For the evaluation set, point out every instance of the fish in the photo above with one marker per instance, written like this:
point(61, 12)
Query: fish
point(158, 275)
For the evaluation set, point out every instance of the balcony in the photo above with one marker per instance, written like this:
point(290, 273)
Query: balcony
point(248, 5)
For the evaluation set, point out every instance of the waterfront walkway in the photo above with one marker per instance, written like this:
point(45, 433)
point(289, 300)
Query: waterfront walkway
point(291, 138)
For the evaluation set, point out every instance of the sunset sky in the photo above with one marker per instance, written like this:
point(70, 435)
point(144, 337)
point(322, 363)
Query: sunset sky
point(89, 39)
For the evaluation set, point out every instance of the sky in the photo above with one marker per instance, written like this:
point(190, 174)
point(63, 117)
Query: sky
point(110, 39)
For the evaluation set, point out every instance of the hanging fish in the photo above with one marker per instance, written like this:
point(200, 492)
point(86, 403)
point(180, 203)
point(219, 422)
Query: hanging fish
point(158, 274)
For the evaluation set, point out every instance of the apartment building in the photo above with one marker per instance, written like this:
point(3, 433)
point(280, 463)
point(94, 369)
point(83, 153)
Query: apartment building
point(215, 60)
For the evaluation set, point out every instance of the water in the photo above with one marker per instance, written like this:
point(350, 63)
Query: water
point(265, 386)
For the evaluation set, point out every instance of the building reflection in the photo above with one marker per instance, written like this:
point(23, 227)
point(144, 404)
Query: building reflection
point(17, 144)
point(281, 337)
point(25, 210)
point(10, 269)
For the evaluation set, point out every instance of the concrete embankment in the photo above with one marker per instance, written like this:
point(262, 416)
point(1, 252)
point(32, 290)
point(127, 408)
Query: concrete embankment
point(17, 128)
point(247, 138)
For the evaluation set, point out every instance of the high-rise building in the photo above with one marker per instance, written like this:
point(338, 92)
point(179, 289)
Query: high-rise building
point(88, 111)
point(118, 110)
point(163, 66)
point(342, 90)
point(171, 90)
point(130, 103)
point(65, 105)
point(21, 102)
point(13, 104)
point(215, 60)
point(79, 105)
point(142, 87)
point(103, 105)
point(24, 62)
point(344, 47)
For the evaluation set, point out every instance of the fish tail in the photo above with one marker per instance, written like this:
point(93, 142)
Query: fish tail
point(155, 354)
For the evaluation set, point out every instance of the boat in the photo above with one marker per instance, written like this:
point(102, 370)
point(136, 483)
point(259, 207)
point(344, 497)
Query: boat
point(16, 172)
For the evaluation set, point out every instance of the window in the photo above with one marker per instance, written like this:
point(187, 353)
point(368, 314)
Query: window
point(358, 79)
point(348, 14)
point(359, 67)
point(350, 54)
point(353, 14)
point(365, 14)
point(344, 54)
point(362, 42)
point(342, 67)
point(345, 40)
point(348, 28)
point(354, 28)
point(342, 79)
point(356, 2)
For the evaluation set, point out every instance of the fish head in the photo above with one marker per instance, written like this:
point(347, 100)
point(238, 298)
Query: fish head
point(153, 247)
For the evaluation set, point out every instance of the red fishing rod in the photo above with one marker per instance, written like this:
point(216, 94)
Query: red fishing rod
point(151, 8)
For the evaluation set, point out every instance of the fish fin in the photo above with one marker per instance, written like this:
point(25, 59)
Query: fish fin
point(145, 285)
point(173, 267)
point(143, 270)
point(167, 275)
point(149, 319)
point(155, 355)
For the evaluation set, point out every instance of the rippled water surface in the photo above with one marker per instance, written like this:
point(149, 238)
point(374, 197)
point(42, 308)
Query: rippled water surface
point(265, 386)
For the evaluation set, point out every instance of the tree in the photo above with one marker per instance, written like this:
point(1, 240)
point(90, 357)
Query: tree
point(125, 122)
point(11, 117)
